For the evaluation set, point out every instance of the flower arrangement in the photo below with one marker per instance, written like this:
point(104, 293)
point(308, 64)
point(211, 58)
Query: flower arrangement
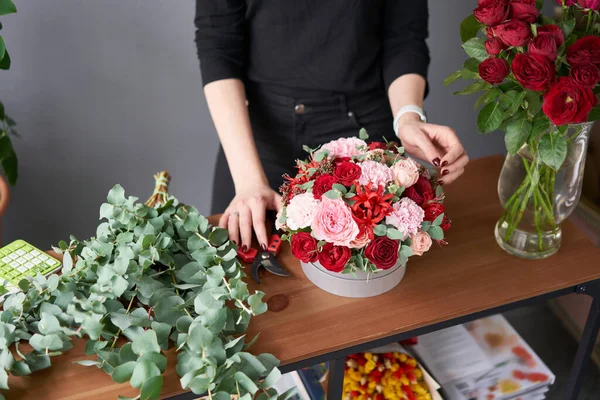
point(538, 76)
point(391, 376)
point(358, 206)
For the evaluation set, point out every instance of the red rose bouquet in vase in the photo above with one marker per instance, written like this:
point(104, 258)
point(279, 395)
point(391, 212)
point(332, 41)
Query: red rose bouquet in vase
point(539, 80)
point(356, 211)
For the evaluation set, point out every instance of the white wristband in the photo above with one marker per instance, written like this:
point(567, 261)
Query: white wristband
point(409, 109)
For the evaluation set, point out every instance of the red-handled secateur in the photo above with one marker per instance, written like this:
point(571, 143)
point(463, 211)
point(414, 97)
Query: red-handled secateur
point(266, 259)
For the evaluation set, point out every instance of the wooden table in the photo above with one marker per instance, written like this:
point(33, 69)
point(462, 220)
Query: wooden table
point(468, 279)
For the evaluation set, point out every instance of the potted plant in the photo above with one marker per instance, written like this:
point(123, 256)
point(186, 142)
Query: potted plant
point(8, 157)
point(356, 212)
point(539, 79)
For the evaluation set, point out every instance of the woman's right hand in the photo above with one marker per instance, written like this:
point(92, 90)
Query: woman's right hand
point(247, 212)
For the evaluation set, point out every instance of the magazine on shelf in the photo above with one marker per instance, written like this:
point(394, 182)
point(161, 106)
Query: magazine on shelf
point(484, 359)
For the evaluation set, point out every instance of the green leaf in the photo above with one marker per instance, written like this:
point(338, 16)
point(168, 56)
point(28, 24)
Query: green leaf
point(594, 114)
point(3, 379)
point(200, 337)
point(472, 64)
point(143, 371)
point(541, 124)
point(490, 118)
point(271, 379)
point(157, 359)
point(534, 102)
point(436, 233)
point(362, 134)
point(123, 372)
point(321, 155)
point(438, 220)
point(469, 28)
point(7, 7)
point(568, 26)
point(147, 342)
point(474, 88)
point(5, 61)
point(246, 382)
point(406, 251)
point(333, 194)
point(394, 234)
point(453, 77)
point(218, 236)
point(517, 133)
point(256, 303)
point(553, 150)
point(475, 48)
point(151, 388)
point(539, 4)
point(205, 301)
point(341, 188)
point(166, 311)
point(488, 96)
point(116, 196)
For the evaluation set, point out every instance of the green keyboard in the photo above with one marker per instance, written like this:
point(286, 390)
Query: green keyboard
point(20, 260)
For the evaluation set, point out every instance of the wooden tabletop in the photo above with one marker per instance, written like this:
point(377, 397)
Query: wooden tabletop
point(470, 274)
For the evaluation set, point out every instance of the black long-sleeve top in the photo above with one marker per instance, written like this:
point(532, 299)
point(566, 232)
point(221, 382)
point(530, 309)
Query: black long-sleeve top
point(344, 46)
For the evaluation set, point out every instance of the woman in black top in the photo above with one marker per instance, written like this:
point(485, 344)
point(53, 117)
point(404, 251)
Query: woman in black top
point(279, 74)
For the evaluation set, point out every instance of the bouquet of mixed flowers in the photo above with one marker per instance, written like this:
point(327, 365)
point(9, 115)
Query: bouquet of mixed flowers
point(361, 206)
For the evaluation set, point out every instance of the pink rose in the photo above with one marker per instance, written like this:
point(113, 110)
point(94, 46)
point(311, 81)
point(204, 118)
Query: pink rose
point(406, 217)
point(406, 172)
point(345, 147)
point(361, 240)
point(420, 242)
point(375, 174)
point(333, 223)
point(301, 211)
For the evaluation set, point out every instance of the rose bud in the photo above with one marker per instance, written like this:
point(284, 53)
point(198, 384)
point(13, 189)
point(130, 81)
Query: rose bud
point(534, 72)
point(494, 70)
point(585, 75)
point(514, 33)
point(494, 46)
point(492, 12)
point(544, 45)
point(524, 12)
point(554, 31)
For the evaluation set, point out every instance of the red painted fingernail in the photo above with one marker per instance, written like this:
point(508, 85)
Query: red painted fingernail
point(441, 182)
point(245, 248)
point(445, 172)
point(444, 163)
point(263, 247)
point(436, 161)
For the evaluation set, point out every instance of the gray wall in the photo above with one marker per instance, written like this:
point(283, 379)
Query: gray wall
point(109, 92)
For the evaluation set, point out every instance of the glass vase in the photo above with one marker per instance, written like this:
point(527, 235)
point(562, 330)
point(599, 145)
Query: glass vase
point(536, 197)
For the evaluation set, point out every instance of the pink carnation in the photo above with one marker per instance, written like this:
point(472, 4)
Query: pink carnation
point(375, 173)
point(406, 217)
point(345, 147)
point(301, 211)
point(333, 223)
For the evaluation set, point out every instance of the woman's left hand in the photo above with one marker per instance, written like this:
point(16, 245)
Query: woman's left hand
point(435, 144)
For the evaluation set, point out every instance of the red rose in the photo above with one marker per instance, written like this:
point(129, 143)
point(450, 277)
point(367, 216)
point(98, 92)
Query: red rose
point(492, 12)
point(432, 211)
point(494, 46)
point(383, 252)
point(567, 102)
point(586, 75)
point(446, 222)
point(524, 12)
point(323, 185)
point(590, 4)
point(584, 51)
point(494, 70)
point(514, 33)
point(544, 45)
point(377, 145)
point(347, 173)
point(304, 247)
point(529, 2)
point(533, 71)
point(489, 32)
point(567, 2)
point(334, 258)
point(554, 31)
point(421, 192)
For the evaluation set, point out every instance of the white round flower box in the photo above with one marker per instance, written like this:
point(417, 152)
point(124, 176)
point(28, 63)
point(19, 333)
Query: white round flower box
point(358, 285)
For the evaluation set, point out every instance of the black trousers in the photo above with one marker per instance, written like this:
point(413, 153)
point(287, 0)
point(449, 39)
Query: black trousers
point(282, 125)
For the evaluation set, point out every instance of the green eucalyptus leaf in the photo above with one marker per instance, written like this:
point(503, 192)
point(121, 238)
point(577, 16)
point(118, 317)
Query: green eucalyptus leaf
point(145, 343)
point(143, 371)
point(151, 388)
point(123, 372)
point(436, 233)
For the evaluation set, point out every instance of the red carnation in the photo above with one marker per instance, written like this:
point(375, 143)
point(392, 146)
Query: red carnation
point(494, 70)
point(492, 12)
point(323, 185)
point(514, 33)
point(347, 173)
point(334, 258)
point(554, 31)
point(567, 102)
point(586, 75)
point(524, 12)
point(584, 51)
point(544, 45)
point(421, 192)
point(377, 145)
point(370, 206)
point(432, 211)
point(494, 46)
point(304, 247)
point(383, 252)
point(533, 71)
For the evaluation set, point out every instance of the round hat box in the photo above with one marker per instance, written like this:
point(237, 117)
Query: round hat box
point(357, 285)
